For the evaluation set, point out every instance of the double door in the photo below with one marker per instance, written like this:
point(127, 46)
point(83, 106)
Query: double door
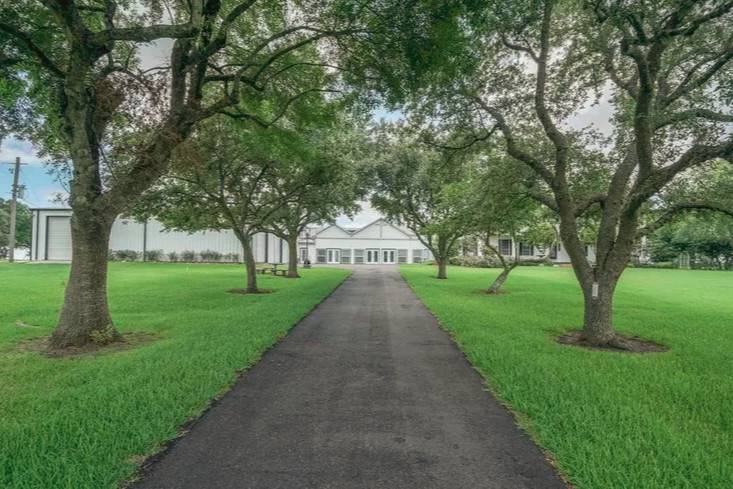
point(387, 257)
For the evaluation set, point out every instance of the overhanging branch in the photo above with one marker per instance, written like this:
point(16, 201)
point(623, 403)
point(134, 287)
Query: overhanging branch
point(28, 44)
point(677, 209)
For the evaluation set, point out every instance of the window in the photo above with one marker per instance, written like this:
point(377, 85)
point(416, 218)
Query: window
point(505, 247)
point(416, 256)
point(553, 252)
point(401, 256)
point(359, 256)
point(345, 256)
point(526, 249)
point(321, 255)
point(303, 255)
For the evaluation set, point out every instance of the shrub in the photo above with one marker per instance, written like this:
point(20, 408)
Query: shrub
point(188, 255)
point(231, 257)
point(475, 261)
point(210, 255)
point(126, 255)
point(173, 256)
point(533, 262)
point(153, 255)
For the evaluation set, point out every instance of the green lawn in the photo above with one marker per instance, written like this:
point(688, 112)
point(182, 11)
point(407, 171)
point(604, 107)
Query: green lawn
point(611, 420)
point(83, 422)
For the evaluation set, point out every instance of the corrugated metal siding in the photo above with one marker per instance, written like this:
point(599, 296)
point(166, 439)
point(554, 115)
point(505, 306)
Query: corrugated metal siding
point(127, 234)
point(177, 241)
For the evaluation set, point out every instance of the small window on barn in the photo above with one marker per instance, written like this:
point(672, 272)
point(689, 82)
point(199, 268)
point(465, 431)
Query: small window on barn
point(359, 256)
point(401, 256)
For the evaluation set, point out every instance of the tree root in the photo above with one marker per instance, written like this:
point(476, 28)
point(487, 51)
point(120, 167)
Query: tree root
point(617, 343)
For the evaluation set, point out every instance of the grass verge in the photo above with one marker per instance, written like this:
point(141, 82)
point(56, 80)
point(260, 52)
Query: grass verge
point(88, 421)
point(611, 420)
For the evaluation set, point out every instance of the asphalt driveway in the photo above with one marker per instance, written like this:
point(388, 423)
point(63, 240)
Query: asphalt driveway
point(366, 392)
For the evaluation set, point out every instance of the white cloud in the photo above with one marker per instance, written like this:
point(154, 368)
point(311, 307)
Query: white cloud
point(12, 147)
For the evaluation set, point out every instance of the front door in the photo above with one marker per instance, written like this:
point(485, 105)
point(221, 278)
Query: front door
point(388, 256)
point(333, 255)
point(372, 256)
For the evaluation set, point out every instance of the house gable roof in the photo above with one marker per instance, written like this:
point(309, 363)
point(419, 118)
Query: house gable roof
point(334, 225)
point(385, 222)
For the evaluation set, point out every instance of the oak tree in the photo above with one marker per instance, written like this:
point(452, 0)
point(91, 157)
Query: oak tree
point(664, 70)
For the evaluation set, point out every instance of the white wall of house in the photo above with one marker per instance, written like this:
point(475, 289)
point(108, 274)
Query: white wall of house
point(51, 234)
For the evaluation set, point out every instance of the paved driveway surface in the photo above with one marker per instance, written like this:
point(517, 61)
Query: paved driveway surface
point(367, 392)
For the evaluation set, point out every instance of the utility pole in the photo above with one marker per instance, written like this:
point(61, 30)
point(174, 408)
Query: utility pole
point(13, 210)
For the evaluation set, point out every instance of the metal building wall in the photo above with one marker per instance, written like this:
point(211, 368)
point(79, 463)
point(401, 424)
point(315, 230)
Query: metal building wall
point(128, 234)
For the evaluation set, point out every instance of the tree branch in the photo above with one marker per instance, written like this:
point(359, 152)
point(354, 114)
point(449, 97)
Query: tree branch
point(30, 46)
point(677, 209)
point(146, 33)
point(694, 114)
point(582, 207)
point(512, 147)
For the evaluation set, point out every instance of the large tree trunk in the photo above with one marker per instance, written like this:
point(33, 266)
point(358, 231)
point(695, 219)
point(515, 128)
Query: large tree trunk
point(442, 267)
point(598, 314)
point(499, 281)
point(293, 256)
point(85, 314)
point(250, 266)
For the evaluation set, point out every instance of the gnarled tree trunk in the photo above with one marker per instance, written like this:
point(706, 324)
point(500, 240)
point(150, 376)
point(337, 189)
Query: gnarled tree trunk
point(293, 256)
point(598, 312)
point(85, 314)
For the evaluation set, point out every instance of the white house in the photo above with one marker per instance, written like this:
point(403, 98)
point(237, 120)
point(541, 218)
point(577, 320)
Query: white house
point(556, 253)
point(379, 242)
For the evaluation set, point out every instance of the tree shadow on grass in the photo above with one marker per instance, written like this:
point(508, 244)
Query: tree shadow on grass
point(245, 292)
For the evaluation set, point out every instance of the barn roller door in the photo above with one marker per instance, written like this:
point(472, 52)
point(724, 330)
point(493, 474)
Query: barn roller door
point(58, 238)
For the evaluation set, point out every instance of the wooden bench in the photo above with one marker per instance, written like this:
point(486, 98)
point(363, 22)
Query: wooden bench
point(272, 269)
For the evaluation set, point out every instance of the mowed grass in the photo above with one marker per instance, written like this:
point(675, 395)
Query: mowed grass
point(611, 420)
point(84, 422)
